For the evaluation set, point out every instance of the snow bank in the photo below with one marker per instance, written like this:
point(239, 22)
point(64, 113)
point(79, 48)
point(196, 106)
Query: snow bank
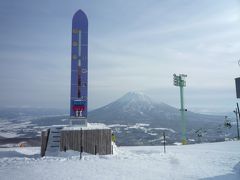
point(88, 127)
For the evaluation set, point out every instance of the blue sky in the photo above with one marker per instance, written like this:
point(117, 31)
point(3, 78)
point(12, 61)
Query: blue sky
point(133, 46)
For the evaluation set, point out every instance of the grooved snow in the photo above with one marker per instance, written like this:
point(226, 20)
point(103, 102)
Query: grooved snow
point(198, 161)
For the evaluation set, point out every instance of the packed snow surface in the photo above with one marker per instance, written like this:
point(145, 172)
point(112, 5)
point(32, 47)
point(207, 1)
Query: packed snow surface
point(199, 161)
point(88, 127)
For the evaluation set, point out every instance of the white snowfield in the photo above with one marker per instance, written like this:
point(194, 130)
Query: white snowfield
point(200, 161)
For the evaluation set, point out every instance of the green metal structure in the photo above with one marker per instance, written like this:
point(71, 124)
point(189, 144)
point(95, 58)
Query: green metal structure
point(180, 81)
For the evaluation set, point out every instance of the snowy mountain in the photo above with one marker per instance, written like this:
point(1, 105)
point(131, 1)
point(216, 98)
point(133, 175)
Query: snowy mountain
point(144, 121)
point(139, 108)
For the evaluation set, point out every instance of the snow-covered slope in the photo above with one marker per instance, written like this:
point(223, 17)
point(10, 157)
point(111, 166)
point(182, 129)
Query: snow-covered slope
point(199, 161)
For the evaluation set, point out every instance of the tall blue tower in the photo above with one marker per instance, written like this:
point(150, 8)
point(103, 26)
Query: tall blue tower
point(79, 67)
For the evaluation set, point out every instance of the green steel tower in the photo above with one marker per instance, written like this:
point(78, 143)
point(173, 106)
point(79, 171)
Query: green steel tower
point(180, 81)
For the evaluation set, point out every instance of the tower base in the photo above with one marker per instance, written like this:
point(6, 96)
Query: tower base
point(93, 139)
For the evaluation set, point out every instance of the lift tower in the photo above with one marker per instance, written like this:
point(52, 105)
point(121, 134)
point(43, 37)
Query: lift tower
point(180, 81)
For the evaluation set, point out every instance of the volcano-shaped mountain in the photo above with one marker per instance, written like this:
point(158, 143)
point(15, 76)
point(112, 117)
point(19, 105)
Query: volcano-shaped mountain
point(139, 108)
point(137, 120)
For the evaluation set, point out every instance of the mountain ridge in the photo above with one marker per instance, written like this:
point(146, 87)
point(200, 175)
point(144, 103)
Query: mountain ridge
point(136, 107)
point(137, 120)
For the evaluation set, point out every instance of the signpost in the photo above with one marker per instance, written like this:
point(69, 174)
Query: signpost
point(180, 81)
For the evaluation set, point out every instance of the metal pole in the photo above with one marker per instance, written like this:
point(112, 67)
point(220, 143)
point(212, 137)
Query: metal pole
point(237, 111)
point(81, 143)
point(179, 81)
point(184, 141)
point(81, 151)
point(95, 150)
point(164, 141)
